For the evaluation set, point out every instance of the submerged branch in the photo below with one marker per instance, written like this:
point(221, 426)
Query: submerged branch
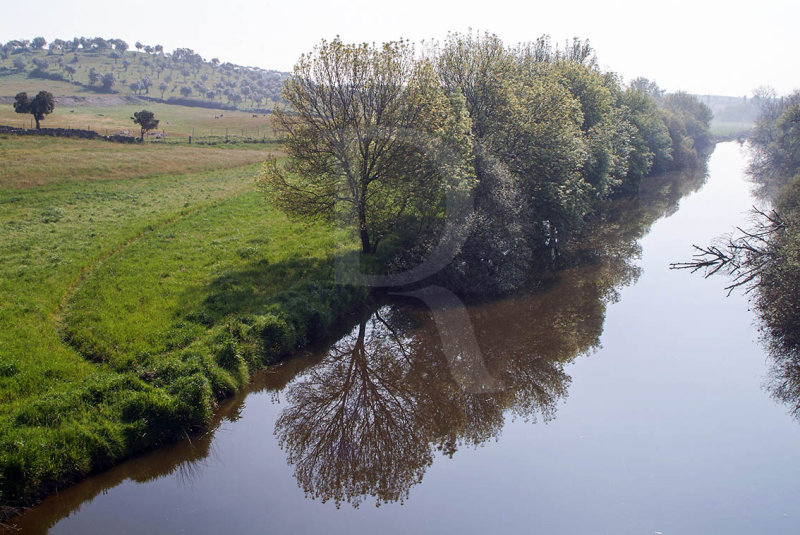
point(743, 257)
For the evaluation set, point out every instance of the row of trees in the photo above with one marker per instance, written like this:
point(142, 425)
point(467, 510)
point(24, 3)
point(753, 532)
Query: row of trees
point(20, 46)
point(384, 139)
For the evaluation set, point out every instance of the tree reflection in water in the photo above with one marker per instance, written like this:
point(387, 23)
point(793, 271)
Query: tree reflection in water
point(353, 426)
point(368, 419)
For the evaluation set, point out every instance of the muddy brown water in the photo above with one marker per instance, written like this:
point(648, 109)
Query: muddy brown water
point(622, 398)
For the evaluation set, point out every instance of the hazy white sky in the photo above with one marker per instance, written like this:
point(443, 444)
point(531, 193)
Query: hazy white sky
point(720, 47)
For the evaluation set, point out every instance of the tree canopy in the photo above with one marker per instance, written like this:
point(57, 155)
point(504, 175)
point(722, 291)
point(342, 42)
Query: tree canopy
point(366, 134)
point(41, 105)
point(146, 120)
point(539, 135)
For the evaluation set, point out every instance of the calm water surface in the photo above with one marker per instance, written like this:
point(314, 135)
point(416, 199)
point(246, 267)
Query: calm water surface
point(625, 398)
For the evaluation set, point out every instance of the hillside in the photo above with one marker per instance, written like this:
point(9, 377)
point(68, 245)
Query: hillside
point(110, 71)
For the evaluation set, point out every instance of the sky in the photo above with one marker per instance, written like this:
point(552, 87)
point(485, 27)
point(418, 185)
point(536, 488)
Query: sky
point(706, 47)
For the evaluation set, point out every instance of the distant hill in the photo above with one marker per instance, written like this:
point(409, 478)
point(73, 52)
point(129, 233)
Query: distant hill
point(84, 67)
point(733, 109)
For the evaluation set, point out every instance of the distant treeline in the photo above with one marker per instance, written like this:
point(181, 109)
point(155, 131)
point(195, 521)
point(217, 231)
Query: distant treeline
point(539, 136)
point(735, 109)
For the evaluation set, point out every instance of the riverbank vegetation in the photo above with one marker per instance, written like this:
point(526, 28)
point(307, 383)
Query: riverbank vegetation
point(535, 136)
point(142, 283)
point(765, 258)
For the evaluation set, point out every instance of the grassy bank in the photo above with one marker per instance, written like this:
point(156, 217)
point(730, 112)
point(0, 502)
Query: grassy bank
point(130, 304)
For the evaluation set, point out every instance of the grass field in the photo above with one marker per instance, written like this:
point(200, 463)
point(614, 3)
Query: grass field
point(730, 130)
point(30, 161)
point(175, 121)
point(138, 285)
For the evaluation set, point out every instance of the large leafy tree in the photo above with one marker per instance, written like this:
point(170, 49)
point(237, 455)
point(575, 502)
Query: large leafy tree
point(146, 120)
point(41, 105)
point(529, 152)
point(366, 132)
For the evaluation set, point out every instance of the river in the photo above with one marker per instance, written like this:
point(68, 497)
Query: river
point(625, 397)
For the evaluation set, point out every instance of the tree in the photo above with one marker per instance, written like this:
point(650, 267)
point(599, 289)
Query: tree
point(38, 43)
point(146, 83)
point(363, 120)
point(146, 120)
point(41, 105)
point(94, 76)
point(108, 80)
point(162, 87)
point(186, 91)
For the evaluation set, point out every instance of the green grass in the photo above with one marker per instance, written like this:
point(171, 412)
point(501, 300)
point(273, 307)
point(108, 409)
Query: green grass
point(30, 161)
point(729, 130)
point(129, 306)
point(175, 121)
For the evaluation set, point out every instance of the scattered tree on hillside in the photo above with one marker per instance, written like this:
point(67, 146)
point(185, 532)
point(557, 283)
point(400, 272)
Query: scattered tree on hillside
point(38, 43)
point(40, 106)
point(162, 87)
point(94, 76)
point(108, 80)
point(186, 91)
point(146, 83)
point(146, 120)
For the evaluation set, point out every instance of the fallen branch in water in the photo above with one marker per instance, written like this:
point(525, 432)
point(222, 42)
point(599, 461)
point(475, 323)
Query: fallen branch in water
point(742, 257)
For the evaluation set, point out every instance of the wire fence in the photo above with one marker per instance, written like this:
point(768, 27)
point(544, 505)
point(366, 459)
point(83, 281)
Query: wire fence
point(197, 136)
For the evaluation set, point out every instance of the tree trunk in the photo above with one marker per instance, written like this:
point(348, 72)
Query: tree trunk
point(362, 226)
point(365, 245)
point(37, 123)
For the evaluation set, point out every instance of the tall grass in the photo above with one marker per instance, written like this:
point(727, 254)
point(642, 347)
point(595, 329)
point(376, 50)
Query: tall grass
point(130, 306)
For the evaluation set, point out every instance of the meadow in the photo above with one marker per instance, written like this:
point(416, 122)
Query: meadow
point(730, 129)
point(174, 121)
point(32, 161)
point(139, 284)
